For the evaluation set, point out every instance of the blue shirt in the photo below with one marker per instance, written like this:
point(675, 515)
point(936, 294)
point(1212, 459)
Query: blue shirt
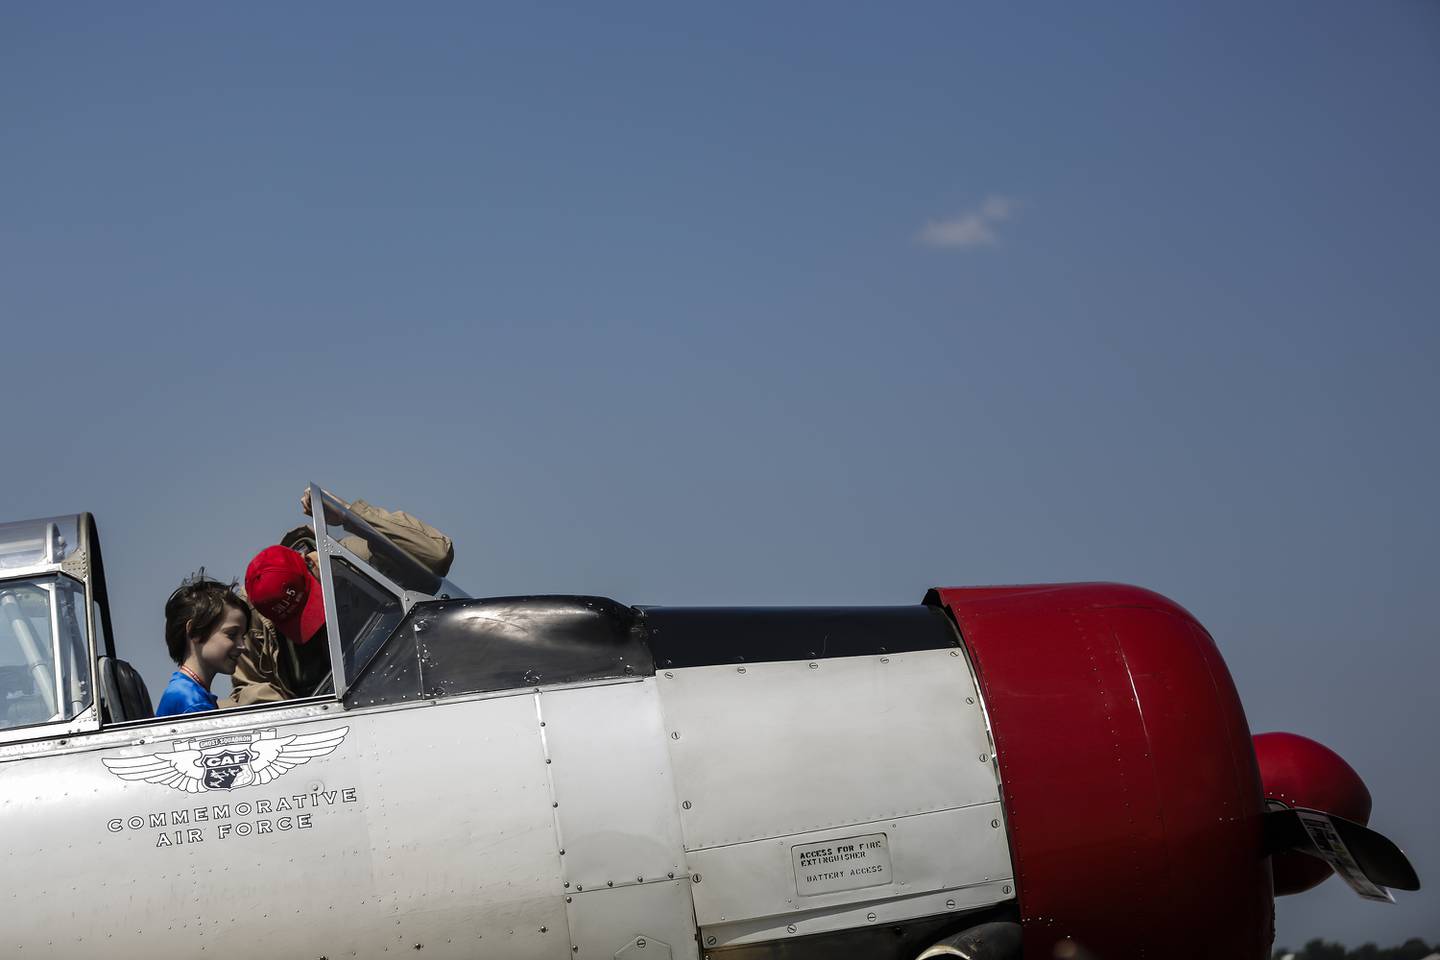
point(183, 695)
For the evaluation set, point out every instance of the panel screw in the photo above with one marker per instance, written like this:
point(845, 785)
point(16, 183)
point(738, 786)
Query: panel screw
point(1005, 889)
point(686, 804)
point(949, 904)
point(709, 941)
point(884, 659)
point(870, 917)
point(970, 700)
point(814, 666)
point(739, 669)
point(954, 654)
point(669, 675)
point(675, 735)
point(640, 942)
point(791, 928)
point(995, 824)
point(984, 757)
point(696, 878)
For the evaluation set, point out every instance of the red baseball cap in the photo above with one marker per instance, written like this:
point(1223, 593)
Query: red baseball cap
point(279, 584)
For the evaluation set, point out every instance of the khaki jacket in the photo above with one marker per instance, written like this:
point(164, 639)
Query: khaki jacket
point(272, 668)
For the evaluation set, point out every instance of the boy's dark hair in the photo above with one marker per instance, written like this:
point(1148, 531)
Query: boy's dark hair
point(199, 602)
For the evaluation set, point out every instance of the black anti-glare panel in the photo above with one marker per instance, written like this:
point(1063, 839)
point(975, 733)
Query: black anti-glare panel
point(452, 647)
point(447, 648)
point(699, 636)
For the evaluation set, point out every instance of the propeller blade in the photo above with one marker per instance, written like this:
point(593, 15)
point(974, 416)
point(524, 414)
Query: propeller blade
point(1365, 859)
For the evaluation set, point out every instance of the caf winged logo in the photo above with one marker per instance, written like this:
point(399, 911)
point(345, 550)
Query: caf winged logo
point(228, 762)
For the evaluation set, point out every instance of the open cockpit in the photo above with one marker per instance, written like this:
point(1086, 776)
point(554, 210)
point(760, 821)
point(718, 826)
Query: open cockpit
point(59, 671)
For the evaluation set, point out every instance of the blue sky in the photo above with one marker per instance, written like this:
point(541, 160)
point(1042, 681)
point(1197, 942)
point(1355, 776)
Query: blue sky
point(755, 303)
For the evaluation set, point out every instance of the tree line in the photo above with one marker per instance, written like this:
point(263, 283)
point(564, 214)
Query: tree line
point(1317, 949)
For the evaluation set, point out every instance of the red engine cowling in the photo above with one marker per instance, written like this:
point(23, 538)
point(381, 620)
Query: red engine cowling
point(1132, 794)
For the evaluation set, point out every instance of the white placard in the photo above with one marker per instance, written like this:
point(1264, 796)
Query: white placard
point(848, 863)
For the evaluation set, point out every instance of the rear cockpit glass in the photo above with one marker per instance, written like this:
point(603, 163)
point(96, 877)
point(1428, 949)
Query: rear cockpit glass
point(44, 651)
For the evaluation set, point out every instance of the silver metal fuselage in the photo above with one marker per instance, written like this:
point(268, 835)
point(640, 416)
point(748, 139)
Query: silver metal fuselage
point(699, 809)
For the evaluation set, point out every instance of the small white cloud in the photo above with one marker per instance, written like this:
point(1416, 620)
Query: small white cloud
point(996, 208)
point(973, 229)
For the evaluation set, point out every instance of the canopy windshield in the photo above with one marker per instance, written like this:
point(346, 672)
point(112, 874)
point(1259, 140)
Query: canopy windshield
point(369, 582)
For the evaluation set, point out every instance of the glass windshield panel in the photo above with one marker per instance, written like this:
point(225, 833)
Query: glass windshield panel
point(44, 651)
point(368, 614)
point(31, 543)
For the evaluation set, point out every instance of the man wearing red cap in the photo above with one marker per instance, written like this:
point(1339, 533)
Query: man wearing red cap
point(280, 662)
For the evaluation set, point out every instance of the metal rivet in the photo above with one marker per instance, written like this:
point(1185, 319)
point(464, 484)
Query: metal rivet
point(609, 883)
point(562, 851)
point(547, 759)
point(544, 929)
point(639, 879)
point(555, 803)
point(671, 875)
point(567, 887)
point(542, 723)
